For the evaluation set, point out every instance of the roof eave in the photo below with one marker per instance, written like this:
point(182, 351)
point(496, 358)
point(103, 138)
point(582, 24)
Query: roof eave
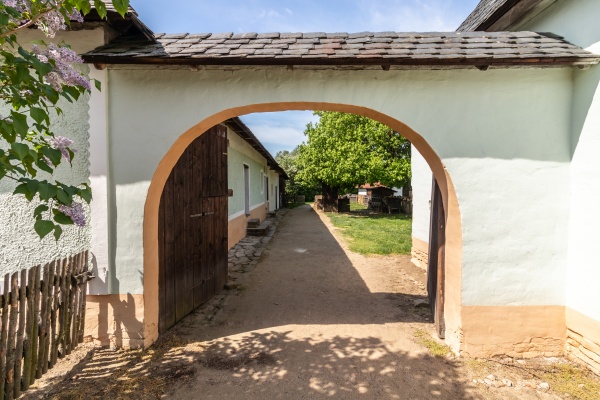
point(246, 134)
point(503, 17)
point(478, 62)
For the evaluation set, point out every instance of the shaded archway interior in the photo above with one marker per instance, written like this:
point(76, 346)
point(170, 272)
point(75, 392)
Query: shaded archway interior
point(151, 209)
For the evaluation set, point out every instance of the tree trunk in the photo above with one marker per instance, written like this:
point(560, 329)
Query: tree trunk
point(330, 198)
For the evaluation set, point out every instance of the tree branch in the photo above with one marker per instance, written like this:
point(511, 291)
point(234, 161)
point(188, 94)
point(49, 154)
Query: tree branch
point(30, 22)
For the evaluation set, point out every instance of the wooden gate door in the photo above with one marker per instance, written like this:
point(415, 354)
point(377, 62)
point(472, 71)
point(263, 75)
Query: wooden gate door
point(193, 228)
point(435, 267)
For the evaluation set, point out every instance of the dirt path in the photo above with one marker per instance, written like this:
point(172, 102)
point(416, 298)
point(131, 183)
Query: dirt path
point(314, 321)
point(311, 320)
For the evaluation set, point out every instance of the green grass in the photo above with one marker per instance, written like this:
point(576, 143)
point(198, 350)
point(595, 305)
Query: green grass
point(575, 381)
point(436, 349)
point(294, 205)
point(374, 233)
point(357, 207)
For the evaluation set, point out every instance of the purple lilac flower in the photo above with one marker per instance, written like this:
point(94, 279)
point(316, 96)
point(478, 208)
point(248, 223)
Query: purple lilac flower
point(63, 72)
point(63, 144)
point(75, 212)
point(51, 23)
point(76, 16)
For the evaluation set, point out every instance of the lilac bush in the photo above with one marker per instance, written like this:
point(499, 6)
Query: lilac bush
point(33, 82)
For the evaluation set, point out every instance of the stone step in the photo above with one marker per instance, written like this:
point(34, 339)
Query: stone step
point(260, 230)
point(253, 223)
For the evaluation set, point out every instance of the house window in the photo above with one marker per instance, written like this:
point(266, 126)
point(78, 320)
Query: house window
point(262, 182)
point(266, 189)
point(246, 189)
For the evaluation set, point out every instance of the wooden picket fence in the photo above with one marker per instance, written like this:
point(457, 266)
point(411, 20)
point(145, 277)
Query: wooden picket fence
point(42, 313)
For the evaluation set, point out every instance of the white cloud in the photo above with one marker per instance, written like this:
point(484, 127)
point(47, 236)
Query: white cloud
point(279, 130)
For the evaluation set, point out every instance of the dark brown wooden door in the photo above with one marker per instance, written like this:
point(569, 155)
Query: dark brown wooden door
point(193, 228)
point(435, 267)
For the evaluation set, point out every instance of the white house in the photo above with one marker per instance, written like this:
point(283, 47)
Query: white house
point(491, 113)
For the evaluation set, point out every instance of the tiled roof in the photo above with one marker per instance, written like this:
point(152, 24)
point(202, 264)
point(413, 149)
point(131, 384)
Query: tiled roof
point(496, 15)
point(122, 24)
point(484, 10)
point(246, 134)
point(381, 48)
point(111, 7)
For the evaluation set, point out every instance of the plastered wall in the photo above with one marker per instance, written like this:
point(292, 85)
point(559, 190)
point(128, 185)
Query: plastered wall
point(487, 127)
point(421, 191)
point(20, 247)
point(577, 21)
point(240, 153)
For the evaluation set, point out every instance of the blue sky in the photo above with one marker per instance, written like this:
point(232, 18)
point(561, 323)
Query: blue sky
point(283, 130)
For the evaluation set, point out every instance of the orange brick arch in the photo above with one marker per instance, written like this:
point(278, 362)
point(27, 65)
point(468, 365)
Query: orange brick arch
point(453, 249)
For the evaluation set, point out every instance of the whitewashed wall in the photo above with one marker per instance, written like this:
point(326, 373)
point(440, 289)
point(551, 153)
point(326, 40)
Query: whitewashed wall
point(578, 22)
point(421, 188)
point(487, 127)
point(240, 153)
point(20, 247)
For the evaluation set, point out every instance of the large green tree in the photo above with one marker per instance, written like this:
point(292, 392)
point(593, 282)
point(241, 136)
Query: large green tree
point(288, 160)
point(32, 83)
point(344, 150)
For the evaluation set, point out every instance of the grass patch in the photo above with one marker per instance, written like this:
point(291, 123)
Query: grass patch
point(374, 233)
point(294, 205)
point(357, 207)
point(574, 381)
point(436, 349)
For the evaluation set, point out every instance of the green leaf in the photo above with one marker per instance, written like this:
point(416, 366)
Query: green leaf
point(121, 6)
point(46, 190)
point(86, 194)
point(63, 197)
point(43, 227)
point(57, 232)
point(62, 218)
point(4, 19)
point(100, 8)
point(41, 164)
point(39, 210)
point(21, 149)
point(53, 154)
point(32, 187)
point(41, 68)
point(21, 189)
point(38, 115)
point(85, 7)
point(21, 72)
point(24, 53)
point(19, 123)
point(98, 84)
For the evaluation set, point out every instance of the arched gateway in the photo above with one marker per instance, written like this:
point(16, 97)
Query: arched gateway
point(489, 112)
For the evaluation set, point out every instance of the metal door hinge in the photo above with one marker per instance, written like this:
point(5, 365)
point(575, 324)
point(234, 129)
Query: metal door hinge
point(202, 214)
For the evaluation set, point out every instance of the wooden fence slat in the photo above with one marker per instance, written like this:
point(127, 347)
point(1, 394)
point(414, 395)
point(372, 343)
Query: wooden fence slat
point(69, 304)
point(82, 306)
point(35, 328)
point(43, 329)
point(63, 309)
point(49, 298)
point(29, 329)
point(21, 333)
point(42, 318)
point(4, 335)
point(12, 333)
point(75, 309)
point(56, 306)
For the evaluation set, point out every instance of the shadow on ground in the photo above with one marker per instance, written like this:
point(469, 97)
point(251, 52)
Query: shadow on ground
point(306, 323)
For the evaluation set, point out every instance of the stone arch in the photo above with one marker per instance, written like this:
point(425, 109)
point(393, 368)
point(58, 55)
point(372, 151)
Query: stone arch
point(453, 249)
